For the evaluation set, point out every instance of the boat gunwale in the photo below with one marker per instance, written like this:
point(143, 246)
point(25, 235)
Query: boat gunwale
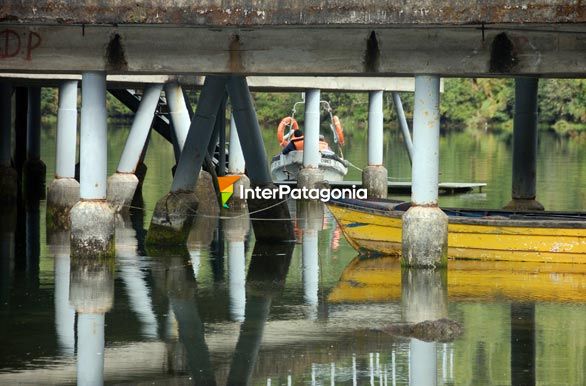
point(540, 220)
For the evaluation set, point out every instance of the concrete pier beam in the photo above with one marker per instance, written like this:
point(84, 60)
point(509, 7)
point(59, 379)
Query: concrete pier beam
point(8, 175)
point(63, 191)
point(525, 147)
point(236, 167)
point(174, 213)
point(311, 174)
point(425, 225)
point(92, 219)
point(34, 169)
point(123, 183)
point(374, 176)
point(262, 210)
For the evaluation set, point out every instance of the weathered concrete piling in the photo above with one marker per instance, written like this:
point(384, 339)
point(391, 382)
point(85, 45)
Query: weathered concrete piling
point(174, 212)
point(34, 170)
point(63, 192)
point(425, 225)
point(374, 176)
point(123, 184)
point(311, 174)
point(525, 146)
point(92, 219)
point(8, 175)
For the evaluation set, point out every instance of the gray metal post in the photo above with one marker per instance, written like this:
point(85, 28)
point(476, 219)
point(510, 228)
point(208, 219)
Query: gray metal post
point(66, 130)
point(34, 168)
point(8, 175)
point(403, 124)
point(123, 184)
point(375, 128)
point(254, 154)
point(33, 138)
point(92, 220)
point(425, 226)
point(249, 131)
point(236, 163)
point(63, 191)
point(374, 176)
point(139, 131)
point(311, 156)
point(525, 146)
point(5, 124)
point(178, 112)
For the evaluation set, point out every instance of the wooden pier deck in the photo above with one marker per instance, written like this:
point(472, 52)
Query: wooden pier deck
point(404, 187)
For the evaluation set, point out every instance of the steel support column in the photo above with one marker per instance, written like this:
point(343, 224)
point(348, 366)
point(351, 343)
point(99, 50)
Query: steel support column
point(8, 175)
point(311, 174)
point(425, 226)
point(63, 191)
point(122, 185)
point(403, 124)
point(374, 176)
point(178, 111)
point(92, 220)
point(525, 146)
point(34, 169)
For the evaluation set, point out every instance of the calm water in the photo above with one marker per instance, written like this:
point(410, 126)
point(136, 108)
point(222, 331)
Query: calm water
point(229, 309)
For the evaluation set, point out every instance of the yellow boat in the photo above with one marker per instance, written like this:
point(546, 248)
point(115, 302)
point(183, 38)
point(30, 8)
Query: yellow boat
point(378, 279)
point(374, 227)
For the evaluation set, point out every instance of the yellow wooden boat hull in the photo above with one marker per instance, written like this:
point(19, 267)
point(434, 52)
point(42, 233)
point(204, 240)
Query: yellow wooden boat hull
point(370, 232)
point(378, 279)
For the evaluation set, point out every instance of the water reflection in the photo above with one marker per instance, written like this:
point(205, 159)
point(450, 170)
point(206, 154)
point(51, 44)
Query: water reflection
point(236, 229)
point(310, 217)
point(91, 293)
point(424, 297)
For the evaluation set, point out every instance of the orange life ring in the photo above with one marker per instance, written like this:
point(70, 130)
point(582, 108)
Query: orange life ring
point(338, 128)
point(281, 129)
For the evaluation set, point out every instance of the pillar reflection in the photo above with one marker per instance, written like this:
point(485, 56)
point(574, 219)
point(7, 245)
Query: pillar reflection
point(64, 312)
point(91, 293)
point(236, 228)
point(424, 297)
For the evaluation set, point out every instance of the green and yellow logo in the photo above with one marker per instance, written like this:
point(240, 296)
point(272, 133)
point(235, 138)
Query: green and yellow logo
point(226, 185)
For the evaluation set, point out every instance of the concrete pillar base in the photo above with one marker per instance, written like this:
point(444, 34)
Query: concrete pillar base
point(34, 172)
point(92, 230)
point(425, 237)
point(62, 195)
point(262, 211)
point(172, 219)
point(524, 205)
point(207, 197)
point(8, 185)
point(374, 179)
point(308, 177)
point(121, 188)
point(236, 202)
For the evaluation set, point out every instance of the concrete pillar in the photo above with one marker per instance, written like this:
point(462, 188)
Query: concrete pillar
point(34, 169)
point(92, 219)
point(174, 213)
point(8, 175)
point(424, 297)
point(425, 225)
point(123, 183)
point(236, 167)
point(310, 174)
point(258, 170)
point(403, 124)
point(525, 146)
point(63, 191)
point(20, 122)
point(374, 176)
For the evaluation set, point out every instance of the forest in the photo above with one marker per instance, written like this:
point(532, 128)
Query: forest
point(466, 104)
